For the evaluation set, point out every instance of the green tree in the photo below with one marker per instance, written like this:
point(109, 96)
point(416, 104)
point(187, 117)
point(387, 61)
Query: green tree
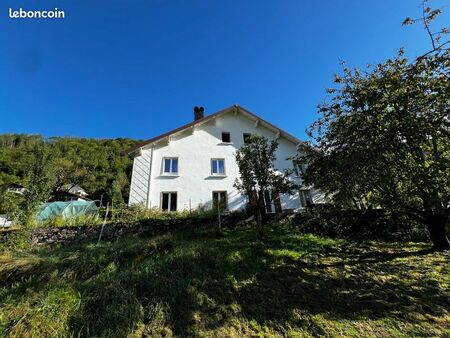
point(93, 164)
point(259, 180)
point(10, 202)
point(383, 138)
point(40, 180)
point(67, 172)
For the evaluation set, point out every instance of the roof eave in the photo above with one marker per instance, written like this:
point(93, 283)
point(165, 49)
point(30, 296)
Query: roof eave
point(235, 108)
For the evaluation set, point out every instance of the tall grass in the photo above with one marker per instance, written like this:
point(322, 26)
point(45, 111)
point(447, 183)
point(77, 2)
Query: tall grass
point(122, 214)
point(137, 213)
point(199, 282)
point(74, 221)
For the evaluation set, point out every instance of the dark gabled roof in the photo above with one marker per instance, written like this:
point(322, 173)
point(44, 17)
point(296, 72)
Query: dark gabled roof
point(209, 117)
point(68, 193)
point(15, 185)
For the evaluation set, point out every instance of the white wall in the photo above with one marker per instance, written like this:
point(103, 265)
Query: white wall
point(139, 186)
point(194, 185)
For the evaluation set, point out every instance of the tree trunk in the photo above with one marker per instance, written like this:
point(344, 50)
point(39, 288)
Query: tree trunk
point(260, 220)
point(259, 224)
point(437, 227)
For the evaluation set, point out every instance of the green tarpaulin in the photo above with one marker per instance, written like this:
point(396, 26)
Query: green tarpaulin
point(66, 209)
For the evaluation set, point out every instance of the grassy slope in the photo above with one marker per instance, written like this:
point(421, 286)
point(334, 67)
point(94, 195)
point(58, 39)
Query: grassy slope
point(199, 283)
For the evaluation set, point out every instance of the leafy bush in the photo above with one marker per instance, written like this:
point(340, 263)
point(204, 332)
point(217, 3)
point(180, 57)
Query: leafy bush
point(138, 213)
point(15, 241)
point(373, 223)
point(9, 202)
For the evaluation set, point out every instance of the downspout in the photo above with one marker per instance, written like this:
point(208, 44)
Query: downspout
point(149, 178)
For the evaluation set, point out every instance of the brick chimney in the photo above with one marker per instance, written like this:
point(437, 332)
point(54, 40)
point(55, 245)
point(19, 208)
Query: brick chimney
point(198, 113)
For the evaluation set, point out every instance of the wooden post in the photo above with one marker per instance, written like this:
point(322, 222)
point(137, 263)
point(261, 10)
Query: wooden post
point(104, 222)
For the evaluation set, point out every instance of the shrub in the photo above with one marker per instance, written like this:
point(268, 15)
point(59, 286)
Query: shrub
point(138, 213)
point(326, 220)
point(15, 240)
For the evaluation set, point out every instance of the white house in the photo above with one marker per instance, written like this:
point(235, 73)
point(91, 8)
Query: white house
point(193, 165)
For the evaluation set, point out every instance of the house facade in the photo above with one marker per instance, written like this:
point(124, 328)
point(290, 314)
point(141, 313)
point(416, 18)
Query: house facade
point(194, 166)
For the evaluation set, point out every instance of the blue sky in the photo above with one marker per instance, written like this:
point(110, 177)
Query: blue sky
point(137, 68)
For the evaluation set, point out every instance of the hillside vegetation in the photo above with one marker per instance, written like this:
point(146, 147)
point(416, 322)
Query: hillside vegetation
point(98, 165)
point(203, 283)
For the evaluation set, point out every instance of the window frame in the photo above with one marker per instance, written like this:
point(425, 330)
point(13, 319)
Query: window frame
point(212, 167)
point(170, 173)
point(305, 196)
point(299, 169)
point(219, 199)
point(244, 135)
point(269, 202)
point(169, 201)
point(229, 137)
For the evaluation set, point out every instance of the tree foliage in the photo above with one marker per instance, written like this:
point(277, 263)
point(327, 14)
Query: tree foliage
point(383, 139)
point(259, 180)
point(40, 180)
point(99, 166)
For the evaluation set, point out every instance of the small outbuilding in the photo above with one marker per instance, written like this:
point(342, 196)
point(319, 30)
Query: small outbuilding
point(16, 188)
point(71, 192)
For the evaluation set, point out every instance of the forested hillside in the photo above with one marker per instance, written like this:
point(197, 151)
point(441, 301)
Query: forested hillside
point(98, 165)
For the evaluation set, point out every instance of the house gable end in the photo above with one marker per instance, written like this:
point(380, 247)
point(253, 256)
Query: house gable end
point(189, 128)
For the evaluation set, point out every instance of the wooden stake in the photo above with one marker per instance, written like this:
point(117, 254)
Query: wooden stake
point(104, 222)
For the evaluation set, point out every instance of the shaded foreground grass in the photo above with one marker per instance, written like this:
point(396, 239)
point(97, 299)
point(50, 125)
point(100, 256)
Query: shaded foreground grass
point(201, 283)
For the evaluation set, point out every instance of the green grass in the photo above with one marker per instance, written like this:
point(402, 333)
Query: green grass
point(201, 283)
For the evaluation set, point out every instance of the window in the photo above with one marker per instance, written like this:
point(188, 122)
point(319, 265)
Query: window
point(246, 138)
point(299, 169)
point(306, 198)
point(218, 166)
point(220, 199)
point(226, 137)
point(170, 165)
point(169, 201)
point(269, 204)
